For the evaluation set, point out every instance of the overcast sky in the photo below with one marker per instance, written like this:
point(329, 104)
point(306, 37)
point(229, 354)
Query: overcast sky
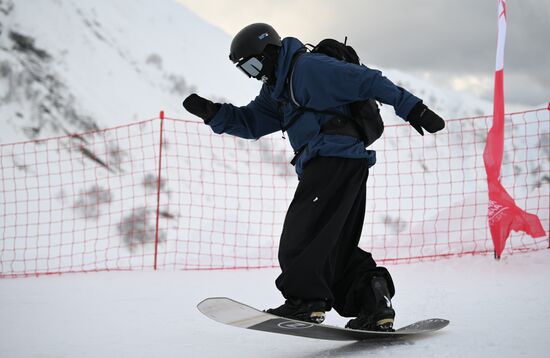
point(452, 43)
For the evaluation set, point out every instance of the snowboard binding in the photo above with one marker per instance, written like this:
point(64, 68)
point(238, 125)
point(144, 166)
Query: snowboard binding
point(381, 316)
point(306, 311)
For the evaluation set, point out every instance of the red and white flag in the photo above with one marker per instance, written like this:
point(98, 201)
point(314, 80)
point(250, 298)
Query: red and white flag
point(504, 215)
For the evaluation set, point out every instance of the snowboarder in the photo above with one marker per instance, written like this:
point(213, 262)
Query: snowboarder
point(322, 265)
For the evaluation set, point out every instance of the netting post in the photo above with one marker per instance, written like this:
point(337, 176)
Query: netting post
point(161, 117)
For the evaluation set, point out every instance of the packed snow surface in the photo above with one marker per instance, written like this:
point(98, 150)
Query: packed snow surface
point(496, 309)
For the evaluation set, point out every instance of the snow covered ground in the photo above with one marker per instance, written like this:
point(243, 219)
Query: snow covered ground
point(496, 309)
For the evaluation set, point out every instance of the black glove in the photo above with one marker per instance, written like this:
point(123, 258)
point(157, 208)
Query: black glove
point(201, 107)
point(423, 117)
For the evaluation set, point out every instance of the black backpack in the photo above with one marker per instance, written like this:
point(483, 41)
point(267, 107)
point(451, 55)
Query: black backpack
point(365, 121)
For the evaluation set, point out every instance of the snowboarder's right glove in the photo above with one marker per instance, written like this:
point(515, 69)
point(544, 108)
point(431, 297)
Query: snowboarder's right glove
point(201, 107)
point(423, 117)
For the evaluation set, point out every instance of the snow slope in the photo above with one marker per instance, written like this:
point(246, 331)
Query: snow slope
point(496, 309)
point(74, 65)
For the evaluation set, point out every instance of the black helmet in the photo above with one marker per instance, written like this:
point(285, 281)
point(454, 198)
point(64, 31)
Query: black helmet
point(252, 40)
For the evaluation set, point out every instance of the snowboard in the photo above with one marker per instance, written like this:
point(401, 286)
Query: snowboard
point(237, 314)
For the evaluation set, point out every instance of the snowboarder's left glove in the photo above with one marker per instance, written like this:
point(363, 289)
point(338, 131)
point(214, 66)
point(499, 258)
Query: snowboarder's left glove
point(201, 107)
point(423, 117)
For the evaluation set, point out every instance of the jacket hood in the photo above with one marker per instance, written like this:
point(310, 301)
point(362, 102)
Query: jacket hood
point(290, 46)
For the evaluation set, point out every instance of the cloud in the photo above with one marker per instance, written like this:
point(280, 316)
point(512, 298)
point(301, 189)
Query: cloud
point(477, 85)
point(456, 39)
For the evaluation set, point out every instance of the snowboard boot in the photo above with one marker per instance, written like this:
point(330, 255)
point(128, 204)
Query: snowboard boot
point(306, 311)
point(378, 317)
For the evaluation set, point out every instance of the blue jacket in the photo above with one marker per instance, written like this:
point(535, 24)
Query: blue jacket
point(319, 82)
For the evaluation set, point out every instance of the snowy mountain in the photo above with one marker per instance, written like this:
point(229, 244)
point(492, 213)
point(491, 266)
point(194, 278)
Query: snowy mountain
point(72, 66)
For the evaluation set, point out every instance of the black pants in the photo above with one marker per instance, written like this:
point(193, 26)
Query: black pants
point(318, 251)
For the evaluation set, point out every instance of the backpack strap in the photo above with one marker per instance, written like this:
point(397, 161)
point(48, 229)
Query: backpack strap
point(290, 90)
point(288, 83)
point(288, 80)
point(297, 54)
